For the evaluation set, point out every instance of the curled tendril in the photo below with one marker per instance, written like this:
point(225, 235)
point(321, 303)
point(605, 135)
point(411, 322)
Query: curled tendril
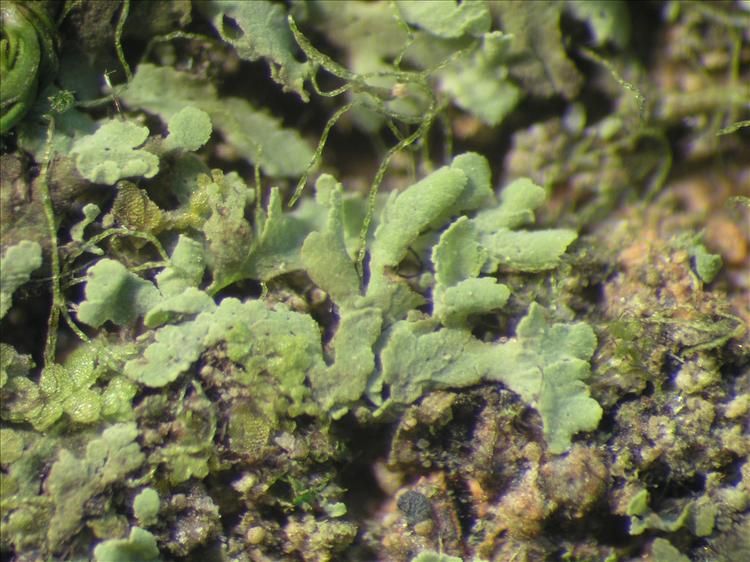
point(28, 41)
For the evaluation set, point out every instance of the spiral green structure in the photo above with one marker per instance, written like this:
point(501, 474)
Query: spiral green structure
point(28, 41)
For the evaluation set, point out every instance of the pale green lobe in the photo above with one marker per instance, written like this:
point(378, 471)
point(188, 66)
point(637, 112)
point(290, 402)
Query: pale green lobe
point(256, 30)
point(146, 506)
point(90, 212)
point(140, 546)
point(458, 259)
point(458, 254)
point(518, 200)
point(571, 340)
point(175, 348)
point(189, 129)
point(609, 21)
point(562, 354)
point(417, 359)
point(479, 295)
point(447, 18)
point(324, 254)
point(527, 250)
point(279, 239)
point(185, 269)
point(16, 266)
point(478, 191)
point(111, 153)
point(480, 84)
point(707, 265)
point(408, 213)
point(344, 382)
point(114, 293)
point(255, 135)
point(74, 480)
point(663, 551)
point(564, 403)
point(277, 341)
point(188, 303)
point(546, 364)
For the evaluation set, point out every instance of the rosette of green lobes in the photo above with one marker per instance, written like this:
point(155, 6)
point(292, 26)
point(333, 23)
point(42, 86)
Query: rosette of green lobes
point(28, 41)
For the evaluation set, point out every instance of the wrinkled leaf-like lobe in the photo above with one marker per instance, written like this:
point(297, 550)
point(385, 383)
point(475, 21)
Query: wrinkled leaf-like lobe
point(407, 214)
point(111, 153)
point(114, 293)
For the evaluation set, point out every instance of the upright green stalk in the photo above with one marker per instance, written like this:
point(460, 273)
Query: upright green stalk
point(58, 301)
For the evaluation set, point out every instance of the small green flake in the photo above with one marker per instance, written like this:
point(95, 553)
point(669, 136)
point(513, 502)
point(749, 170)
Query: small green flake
point(189, 129)
point(638, 504)
point(707, 265)
point(432, 556)
point(478, 192)
point(642, 517)
point(90, 212)
point(663, 551)
point(335, 509)
point(140, 546)
point(704, 516)
point(146, 506)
